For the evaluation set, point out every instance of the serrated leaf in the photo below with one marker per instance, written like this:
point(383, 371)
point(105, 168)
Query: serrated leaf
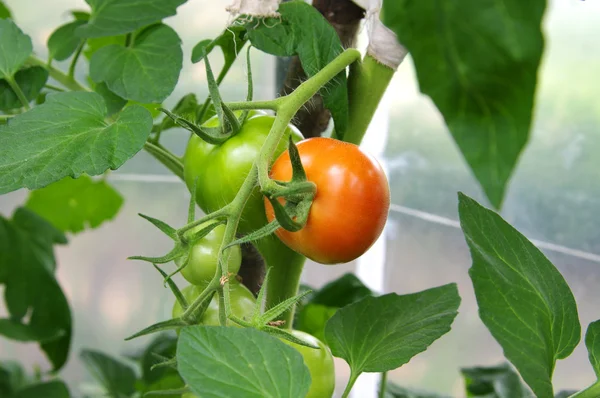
point(115, 17)
point(27, 267)
point(71, 205)
point(31, 81)
point(49, 389)
point(4, 11)
point(15, 48)
point(94, 44)
point(494, 382)
point(345, 290)
point(68, 136)
point(377, 334)
point(302, 30)
point(147, 71)
point(244, 362)
point(478, 62)
point(117, 378)
point(63, 42)
point(523, 300)
point(592, 342)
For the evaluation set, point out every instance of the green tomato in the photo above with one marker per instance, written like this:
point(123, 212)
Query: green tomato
point(319, 363)
point(203, 256)
point(242, 302)
point(220, 170)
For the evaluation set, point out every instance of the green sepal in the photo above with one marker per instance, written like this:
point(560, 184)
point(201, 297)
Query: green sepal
point(173, 286)
point(199, 312)
point(280, 308)
point(298, 173)
point(283, 217)
point(256, 235)
point(284, 334)
point(175, 391)
point(164, 227)
point(164, 362)
point(176, 252)
point(159, 327)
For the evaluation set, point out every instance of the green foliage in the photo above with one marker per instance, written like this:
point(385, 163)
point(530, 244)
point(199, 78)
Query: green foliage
point(72, 205)
point(114, 376)
point(494, 382)
point(302, 30)
point(31, 81)
point(30, 288)
point(592, 342)
point(63, 42)
point(393, 390)
point(113, 102)
point(49, 389)
point(76, 140)
point(12, 377)
point(15, 47)
point(115, 17)
point(244, 362)
point(480, 69)
point(523, 300)
point(231, 42)
point(147, 71)
point(4, 11)
point(377, 334)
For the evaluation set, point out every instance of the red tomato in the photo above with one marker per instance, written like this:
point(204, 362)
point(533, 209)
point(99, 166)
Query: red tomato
point(350, 207)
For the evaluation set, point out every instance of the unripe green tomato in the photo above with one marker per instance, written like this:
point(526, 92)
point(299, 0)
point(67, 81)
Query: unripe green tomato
point(220, 170)
point(241, 299)
point(319, 363)
point(204, 254)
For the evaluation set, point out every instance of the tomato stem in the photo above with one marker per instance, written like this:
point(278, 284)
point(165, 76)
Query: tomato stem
point(271, 104)
point(58, 75)
point(367, 83)
point(164, 156)
point(73, 64)
point(17, 89)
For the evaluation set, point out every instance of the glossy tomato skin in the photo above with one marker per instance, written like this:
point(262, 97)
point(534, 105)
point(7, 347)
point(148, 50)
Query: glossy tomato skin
point(319, 363)
point(242, 302)
point(221, 169)
point(350, 207)
point(203, 256)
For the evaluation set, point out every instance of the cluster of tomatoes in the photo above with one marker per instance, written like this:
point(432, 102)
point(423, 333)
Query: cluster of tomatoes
point(347, 215)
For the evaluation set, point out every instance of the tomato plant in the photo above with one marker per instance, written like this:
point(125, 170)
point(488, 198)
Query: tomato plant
point(203, 256)
point(261, 185)
point(350, 207)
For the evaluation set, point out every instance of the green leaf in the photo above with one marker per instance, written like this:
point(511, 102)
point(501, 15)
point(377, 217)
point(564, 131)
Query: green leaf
point(523, 300)
point(94, 44)
point(80, 15)
point(49, 389)
point(72, 205)
point(15, 330)
point(27, 267)
point(63, 42)
point(478, 61)
point(592, 342)
point(244, 362)
point(68, 136)
point(341, 292)
point(164, 345)
point(378, 334)
point(15, 48)
point(4, 11)
point(117, 378)
point(113, 102)
point(147, 71)
point(231, 41)
point(115, 17)
point(312, 319)
point(31, 81)
point(393, 390)
point(565, 393)
point(494, 382)
point(302, 30)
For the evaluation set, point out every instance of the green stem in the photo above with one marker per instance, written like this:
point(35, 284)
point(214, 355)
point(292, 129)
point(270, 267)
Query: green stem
point(71, 73)
point(58, 75)
point(592, 391)
point(383, 385)
point(353, 377)
point(17, 89)
point(367, 83)
point(51, 87)
point(171, 161)
point(6, 117)
point(271, 104)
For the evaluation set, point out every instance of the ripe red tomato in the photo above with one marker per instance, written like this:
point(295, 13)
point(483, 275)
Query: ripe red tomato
point(350, 207)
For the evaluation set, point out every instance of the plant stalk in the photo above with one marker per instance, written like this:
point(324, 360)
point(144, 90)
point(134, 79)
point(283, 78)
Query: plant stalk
point(58, 75)
point(168, 159)
point(73, 64)
point(383, 385)
point(17, 89)
point(353, 377)
point(367, 83)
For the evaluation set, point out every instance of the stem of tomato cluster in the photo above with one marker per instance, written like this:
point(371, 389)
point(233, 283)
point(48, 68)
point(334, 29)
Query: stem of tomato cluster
point(168, 159)
point(592, 391)
point(58, 75)
point(270, 104)
point(17, 89)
